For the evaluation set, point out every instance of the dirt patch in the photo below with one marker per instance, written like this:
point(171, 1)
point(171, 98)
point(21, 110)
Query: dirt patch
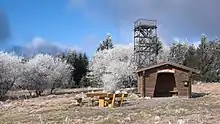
point(209, 88)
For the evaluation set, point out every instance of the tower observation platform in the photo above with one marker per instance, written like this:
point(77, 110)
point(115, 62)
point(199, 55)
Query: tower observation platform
point(145, 24)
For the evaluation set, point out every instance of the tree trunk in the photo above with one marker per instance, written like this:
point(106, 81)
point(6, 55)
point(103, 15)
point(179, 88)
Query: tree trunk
point(38, 93)
point(53, 87)
point(30, 93)
point(51, 91)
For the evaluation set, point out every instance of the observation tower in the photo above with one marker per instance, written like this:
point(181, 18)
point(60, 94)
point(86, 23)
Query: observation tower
point(145, 33)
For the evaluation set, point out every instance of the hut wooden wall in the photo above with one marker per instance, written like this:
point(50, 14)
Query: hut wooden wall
point(150, 82)
point(181, 77)
point(140, 83)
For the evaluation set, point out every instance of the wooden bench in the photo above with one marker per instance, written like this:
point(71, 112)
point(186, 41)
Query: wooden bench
point(101, 97)
point(174, 92)
point(112, 98)
point(108, 99)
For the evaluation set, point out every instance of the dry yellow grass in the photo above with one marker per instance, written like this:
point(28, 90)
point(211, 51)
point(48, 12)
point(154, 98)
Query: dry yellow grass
point(60, 109)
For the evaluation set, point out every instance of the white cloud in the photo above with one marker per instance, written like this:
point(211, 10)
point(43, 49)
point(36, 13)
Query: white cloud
point(40, 45)
point(38, 42)
point(68, 47)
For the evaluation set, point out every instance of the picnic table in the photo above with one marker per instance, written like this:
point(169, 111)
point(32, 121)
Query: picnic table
point(108, 99)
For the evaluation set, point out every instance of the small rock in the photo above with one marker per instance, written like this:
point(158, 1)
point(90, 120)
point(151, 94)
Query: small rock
point(177, 111)
point(119, 114)
point(78, 99)
point(86, 100)
point(5, 105)
point(8, 101)
point(51, 96)
point(98, 118)
point(157, 118)
point(73, 104)
point(116, 92)
point(147, 98)
point(121, 121)
point(82, 95)
point(135, 113)
point(134, 96)
point(125, 92)
point(128, 118)
point(104, 91)
point(180, 121)
point(78, 121)
point(199, 82)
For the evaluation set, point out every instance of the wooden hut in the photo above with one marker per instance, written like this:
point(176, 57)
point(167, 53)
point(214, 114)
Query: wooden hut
point(165, 80)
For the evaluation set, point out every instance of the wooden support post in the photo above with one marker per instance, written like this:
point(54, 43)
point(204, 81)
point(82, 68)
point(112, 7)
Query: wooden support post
point(122, 99)
point(144, 84)
point(190, 85)
point(113, 101)
point(101, 102)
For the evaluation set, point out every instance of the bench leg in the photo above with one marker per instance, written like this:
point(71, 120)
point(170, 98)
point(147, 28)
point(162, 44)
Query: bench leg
point(101, 102)
point(113, 101)
point(122, 99)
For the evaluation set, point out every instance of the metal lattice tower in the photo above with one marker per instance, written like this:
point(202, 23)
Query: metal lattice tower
point(145, 31)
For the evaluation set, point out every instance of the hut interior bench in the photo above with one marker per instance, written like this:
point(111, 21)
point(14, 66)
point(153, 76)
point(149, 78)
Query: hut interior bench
point(174, 93)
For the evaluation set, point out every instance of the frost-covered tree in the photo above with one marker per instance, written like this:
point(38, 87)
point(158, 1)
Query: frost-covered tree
point(97, 66)
point(106, 44)
point(45, 71)
point(10, 70)
point(163, 54)
point(60, 73)
point(178, 52)
point(113, 67)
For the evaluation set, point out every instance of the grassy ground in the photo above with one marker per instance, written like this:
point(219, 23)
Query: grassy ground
point(61, 109)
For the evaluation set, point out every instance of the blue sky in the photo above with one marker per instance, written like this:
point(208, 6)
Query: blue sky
point(55, 22)
point(82, 24)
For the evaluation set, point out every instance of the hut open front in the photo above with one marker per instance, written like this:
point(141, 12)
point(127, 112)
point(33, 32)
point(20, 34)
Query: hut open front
point(165, 80)
point(165, 83)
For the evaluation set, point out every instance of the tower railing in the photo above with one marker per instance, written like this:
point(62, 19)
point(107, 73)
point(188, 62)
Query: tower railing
point(146, 23)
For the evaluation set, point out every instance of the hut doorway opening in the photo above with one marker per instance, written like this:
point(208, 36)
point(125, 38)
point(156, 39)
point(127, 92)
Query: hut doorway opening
point(165, 85)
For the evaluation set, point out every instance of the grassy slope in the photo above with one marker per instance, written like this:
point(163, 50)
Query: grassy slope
point(61, 109)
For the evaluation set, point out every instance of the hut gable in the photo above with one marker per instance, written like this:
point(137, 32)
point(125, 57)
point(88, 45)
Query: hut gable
point(165, 79)
point(167, 65)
